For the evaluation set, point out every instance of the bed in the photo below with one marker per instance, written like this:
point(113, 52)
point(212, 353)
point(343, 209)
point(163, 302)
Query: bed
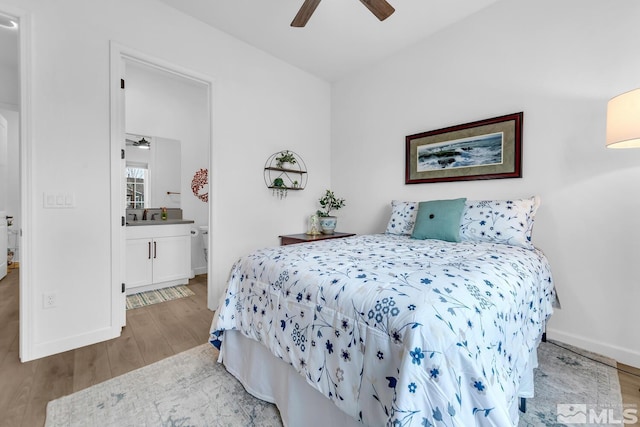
point(392, 328)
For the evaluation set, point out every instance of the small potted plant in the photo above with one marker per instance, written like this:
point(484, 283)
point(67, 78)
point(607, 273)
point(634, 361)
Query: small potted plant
point(285, 159)
point(329, 202)
point(279, 188)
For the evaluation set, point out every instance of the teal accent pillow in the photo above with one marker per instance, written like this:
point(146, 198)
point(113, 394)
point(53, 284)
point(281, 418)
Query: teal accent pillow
point(439, 219)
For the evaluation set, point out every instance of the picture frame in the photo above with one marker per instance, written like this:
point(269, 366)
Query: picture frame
point(484, 149)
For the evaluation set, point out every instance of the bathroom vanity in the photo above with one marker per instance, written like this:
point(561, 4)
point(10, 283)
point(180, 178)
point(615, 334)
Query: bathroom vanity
point(158, 254)
point(158, 251)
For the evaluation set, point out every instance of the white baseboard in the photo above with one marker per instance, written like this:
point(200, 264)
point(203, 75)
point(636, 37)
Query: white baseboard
point(198, 271)
point(620, 354)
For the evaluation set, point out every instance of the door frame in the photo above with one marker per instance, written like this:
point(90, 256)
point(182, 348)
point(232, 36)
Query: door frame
point(26, 308)
point(119, 54)
point(4, 229)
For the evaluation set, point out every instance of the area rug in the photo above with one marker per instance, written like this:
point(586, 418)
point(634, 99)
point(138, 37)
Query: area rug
point(191, 389)
point(160, 295)
point(573, 386)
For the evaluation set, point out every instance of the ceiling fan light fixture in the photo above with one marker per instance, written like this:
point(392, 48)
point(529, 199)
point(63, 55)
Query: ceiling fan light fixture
point(305, 12)
point(380, 8)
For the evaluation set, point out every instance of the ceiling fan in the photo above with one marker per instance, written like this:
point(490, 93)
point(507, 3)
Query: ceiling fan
point(380, 8)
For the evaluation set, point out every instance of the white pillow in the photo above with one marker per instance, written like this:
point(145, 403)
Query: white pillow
point(499, 221)
point(403, 217)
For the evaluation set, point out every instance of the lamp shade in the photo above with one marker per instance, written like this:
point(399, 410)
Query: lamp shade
point(623, 120)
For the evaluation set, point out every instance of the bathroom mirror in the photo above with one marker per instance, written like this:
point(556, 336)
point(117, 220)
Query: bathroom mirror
point(153, 171)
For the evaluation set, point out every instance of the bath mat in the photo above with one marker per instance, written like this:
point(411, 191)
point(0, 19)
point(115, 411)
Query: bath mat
point(159, 295)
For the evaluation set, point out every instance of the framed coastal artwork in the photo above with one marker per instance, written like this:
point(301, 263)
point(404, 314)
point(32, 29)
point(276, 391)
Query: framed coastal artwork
point(485, 149)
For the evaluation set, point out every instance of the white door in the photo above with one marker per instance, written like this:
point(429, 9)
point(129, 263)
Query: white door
point(3, 197)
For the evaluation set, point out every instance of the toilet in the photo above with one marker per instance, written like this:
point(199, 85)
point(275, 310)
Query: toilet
point(204, 232)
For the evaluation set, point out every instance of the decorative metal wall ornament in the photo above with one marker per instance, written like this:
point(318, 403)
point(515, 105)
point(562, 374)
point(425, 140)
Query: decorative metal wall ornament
point(199, 183)
point(284, 171)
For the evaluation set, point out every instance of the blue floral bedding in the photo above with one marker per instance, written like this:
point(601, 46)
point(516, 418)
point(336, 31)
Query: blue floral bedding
point(397, 331)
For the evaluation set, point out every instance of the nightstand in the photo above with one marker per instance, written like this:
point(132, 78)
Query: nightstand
point(291, 239)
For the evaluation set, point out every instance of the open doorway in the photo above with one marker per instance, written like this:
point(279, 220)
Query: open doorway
point(14, 69)
point(9, 143)
point(159, 102)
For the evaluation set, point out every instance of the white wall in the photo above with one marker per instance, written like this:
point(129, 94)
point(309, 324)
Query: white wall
point(261, 105)
point(559, 62)
point(164, 105)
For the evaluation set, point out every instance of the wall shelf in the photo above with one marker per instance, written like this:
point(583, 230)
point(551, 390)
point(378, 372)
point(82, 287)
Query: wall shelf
point(273, 187)
point(282, 178)
point(285, 170)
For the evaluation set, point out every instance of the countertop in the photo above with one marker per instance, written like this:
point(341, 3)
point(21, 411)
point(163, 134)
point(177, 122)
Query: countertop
point(159, 222)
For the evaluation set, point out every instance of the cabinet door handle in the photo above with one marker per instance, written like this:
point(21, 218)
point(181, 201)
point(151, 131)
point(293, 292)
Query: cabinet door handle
point(155, 250)
point(149, 250)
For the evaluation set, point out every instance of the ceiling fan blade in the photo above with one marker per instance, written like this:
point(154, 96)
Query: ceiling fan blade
point(380, 8)
point(305, 13)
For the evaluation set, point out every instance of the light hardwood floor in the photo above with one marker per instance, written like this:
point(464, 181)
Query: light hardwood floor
point(152, 333)
point(630, 387)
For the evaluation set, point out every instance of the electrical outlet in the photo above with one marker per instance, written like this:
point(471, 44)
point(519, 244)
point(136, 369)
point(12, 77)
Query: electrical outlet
point(50, 300)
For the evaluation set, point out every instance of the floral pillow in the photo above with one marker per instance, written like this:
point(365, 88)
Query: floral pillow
point(403, 218)
point(499, 221)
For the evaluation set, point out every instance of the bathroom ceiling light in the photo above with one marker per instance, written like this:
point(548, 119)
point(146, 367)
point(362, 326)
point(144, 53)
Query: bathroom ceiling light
point(143, 143)
point(140, 143)
point(6, 22)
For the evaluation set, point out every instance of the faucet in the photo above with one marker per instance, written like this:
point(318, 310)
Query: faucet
point(153, 216)
point(144, 214)
point(135, 217)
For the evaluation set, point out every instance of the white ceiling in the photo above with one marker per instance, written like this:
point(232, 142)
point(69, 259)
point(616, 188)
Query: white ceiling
point(342, 35)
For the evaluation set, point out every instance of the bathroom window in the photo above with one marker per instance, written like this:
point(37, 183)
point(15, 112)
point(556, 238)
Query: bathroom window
point(137, 188)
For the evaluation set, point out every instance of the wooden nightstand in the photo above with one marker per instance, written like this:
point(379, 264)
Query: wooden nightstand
point(291, 239)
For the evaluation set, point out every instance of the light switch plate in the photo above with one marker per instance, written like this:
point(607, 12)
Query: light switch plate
point(59, 200)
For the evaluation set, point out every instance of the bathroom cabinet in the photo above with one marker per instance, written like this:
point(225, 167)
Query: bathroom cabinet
point(157, 256)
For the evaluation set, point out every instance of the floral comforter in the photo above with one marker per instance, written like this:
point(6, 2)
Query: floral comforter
point(397, 331)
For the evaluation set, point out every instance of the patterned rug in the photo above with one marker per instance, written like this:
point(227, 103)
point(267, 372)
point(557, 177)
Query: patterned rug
point(157, 296)
point(569, 379)
point(192, 389)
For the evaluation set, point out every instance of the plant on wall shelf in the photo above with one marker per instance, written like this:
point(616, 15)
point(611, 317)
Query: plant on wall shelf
point(329, 202)
point(279, 188)
point(285, 156)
